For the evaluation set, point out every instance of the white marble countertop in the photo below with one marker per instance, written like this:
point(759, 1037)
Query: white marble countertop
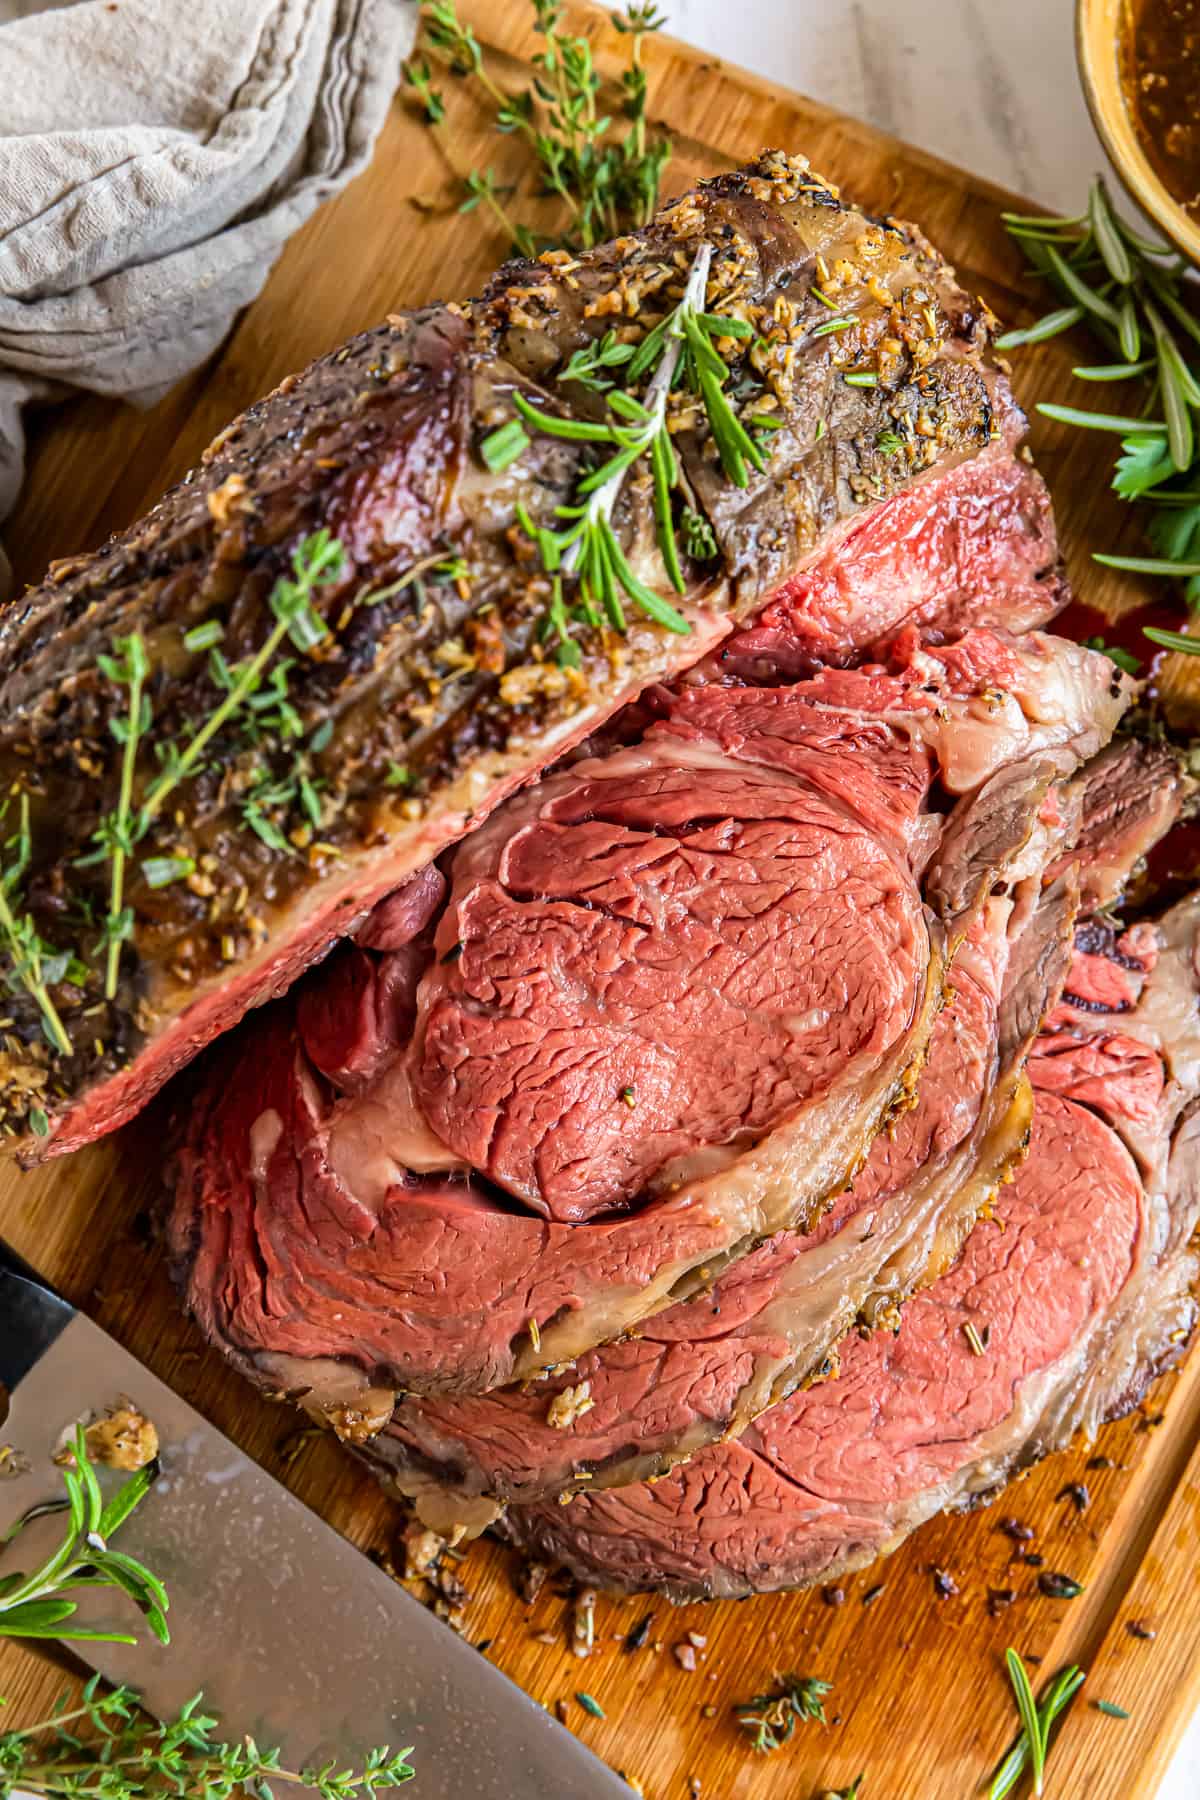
point(992, 88)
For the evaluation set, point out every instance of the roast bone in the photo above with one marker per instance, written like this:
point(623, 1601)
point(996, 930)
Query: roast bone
point(435, 663)
point(1077, 1286)
point(324, 1267)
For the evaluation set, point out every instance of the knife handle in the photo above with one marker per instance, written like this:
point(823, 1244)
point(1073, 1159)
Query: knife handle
point(31, 1317)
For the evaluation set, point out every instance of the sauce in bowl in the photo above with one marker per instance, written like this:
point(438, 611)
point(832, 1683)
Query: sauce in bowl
point(1160, 73)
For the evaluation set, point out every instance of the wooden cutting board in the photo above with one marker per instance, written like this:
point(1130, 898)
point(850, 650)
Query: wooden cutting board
point(919, 1699)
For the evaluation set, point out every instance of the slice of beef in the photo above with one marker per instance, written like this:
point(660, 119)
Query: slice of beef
point(975, 545)
point(1064, 1305)
point(312, 1225)
point(428, 688)
point(704, 1369)
point(1136, 792)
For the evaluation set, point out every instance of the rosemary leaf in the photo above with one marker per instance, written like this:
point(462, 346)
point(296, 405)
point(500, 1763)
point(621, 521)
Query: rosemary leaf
point(1049, 326)
point(1113, 371)
point(1147, 565)
point(1172, 640)
point(504, 446)
point(1109, 242)
point(1083, 295)
point(1094, 421)
point(1027, 1709)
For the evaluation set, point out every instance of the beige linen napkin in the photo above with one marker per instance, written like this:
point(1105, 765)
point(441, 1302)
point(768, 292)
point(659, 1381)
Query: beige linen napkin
point(154, 157)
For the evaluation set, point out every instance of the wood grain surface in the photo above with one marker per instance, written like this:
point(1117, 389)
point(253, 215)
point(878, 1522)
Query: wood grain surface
point(919, 1701)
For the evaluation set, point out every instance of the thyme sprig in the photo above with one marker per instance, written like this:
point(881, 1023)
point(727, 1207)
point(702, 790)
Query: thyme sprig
point(1129, 293)
point(1037, 1718)
point(254, 695)
point(317, 561)
point(680, 350)
point(130, 1756)
point(128, 667)
point(770, 1719)
point(37, 1605)
point(606, 174)
point(32, 963)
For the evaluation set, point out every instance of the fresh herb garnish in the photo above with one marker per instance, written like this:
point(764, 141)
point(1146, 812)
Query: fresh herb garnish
point(1172, 640)
point(1110, 1710)
point(32, 963)
point(1032, 1747)
point(681, 350)
point(585, 366)
point(133, 1757)
point(591, 1705)
point(255, 695)
point(770, 1719)
point(850, 1793)
point(1130, 294)
point(502, 447)
point(607, 175)
point(37, 1605)
point(699, 538)
point(128, 668)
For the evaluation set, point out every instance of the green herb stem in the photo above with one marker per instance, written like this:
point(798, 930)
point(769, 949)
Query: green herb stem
point(25, 948)
point(316, 562)
point(36, 1605)
point(1032, 1747)
point(135, 1757)
point(133, 652)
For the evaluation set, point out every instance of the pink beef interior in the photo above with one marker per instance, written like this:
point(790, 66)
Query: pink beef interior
point(975, 545)
point(828, 1475)
point(670, 948)
point(680, 1378)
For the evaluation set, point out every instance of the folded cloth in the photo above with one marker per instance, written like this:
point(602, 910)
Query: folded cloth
point(155, 155)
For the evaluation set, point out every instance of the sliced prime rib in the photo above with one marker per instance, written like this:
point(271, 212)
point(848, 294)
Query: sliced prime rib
point(1136, 792)
point(769, 881)
point(433, 691)
point(704, 1369)
point(977, 547)
point(1064, 1305)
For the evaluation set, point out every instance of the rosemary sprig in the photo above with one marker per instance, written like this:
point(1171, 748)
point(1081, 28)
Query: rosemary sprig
point(33, 964)
point(770, 1719)
point(679, 350)
point(37, 1605)
point(1129, 292)
point(1037, 1718)
point(606, 176)
point(130, 1756)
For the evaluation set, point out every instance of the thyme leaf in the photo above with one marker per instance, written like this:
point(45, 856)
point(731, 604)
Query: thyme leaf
point(770, 1719)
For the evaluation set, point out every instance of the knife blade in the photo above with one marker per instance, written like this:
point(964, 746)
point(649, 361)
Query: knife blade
point(292, 1633)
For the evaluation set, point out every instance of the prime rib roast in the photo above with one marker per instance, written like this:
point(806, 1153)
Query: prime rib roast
point(651, 1002)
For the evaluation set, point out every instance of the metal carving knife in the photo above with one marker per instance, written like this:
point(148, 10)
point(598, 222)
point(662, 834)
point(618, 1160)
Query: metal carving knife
point(292, 1634)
